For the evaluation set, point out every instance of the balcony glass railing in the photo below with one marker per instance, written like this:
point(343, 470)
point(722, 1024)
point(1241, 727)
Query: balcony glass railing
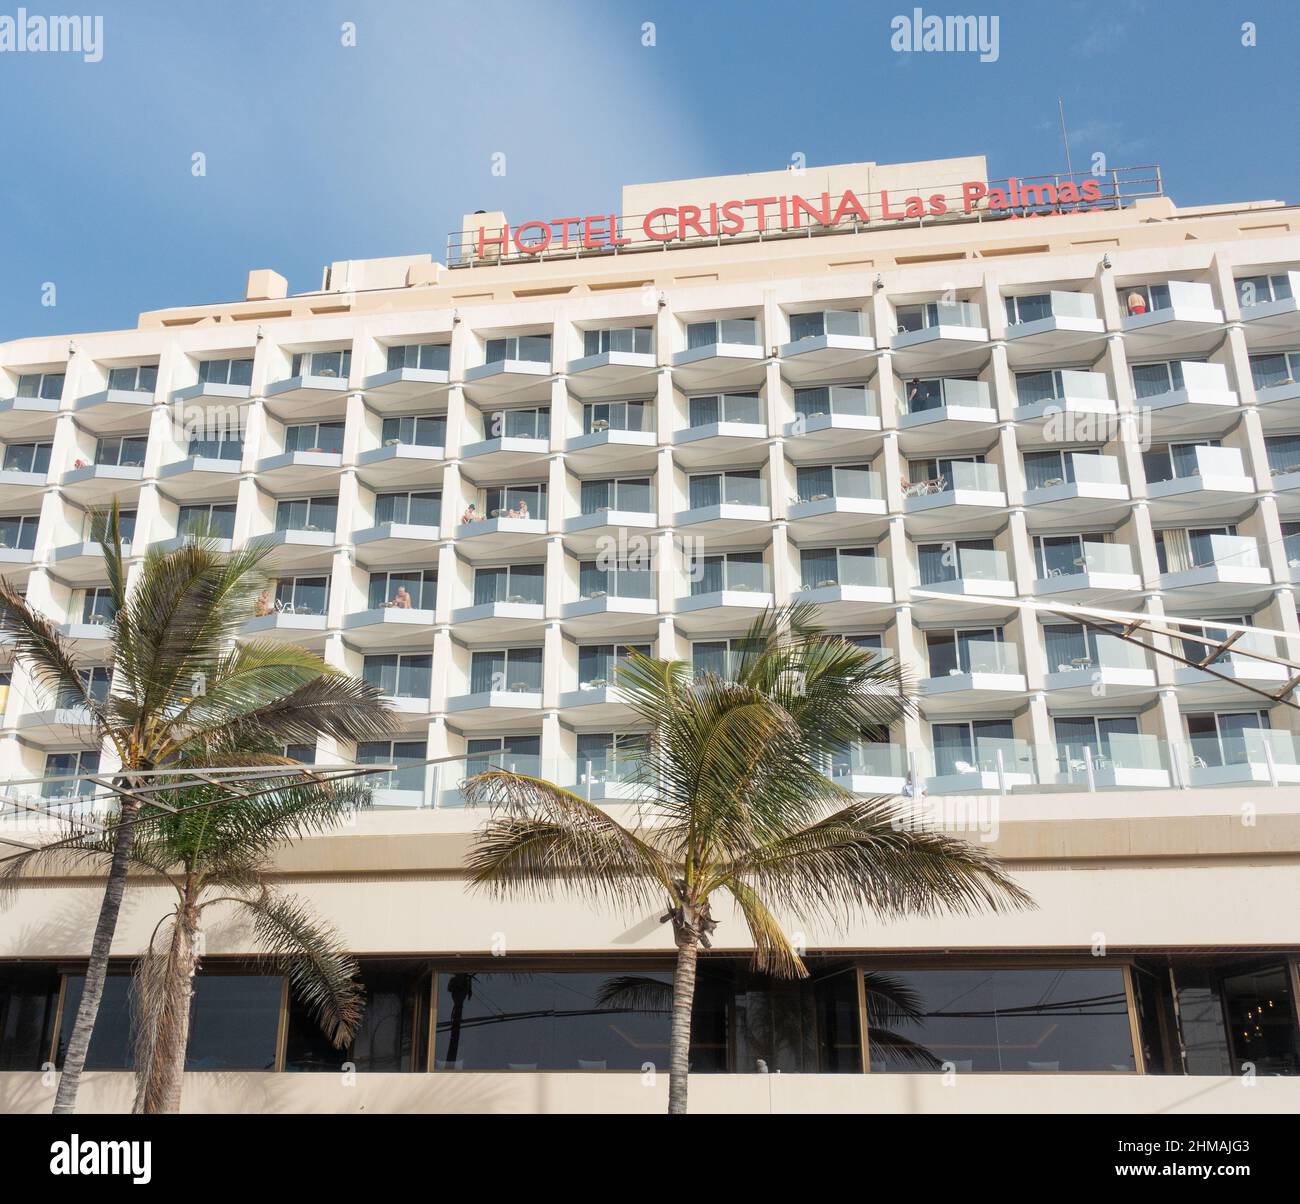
point(1230, 551)
point(912, 318)
point(851, 400)
point(868, 760)
point(973, 656)
point(922, 395)
point(963, 475)
point(1088, 653)
point(819, 484)
point(450, 776)
point(742, 408)
point(826, 570)
point(715, 575)
point(612, 765)
point(1116, 750)
point(596, 582)
point(1254, 746)
point(987, 754)
point(727, 490)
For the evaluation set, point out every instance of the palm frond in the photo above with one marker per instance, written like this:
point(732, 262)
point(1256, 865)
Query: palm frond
point(773, 953)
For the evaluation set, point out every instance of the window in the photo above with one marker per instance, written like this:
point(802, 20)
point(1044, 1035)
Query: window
point(616, 579)
point(722, 658)
point(1154, 380)
point(399, 675)
point(124, 452)
point(519, 754)
point(1103, 738)
point(302, 595)
point(29, 1005)
point(519, 583)
point(1260, 290)
point(1028, 309)
point(143, 379)
point(834, 399)
point(18, 531)
point(969, 650)
point(628, 494)
point(528, 348)
point(1174, 461)
point(1044, 469)
point(1073, 646)
point(607, 757)
point(942, 473)
point(1283, 454)
point(1048, 1020)
point(96, 682)
point(1223, 738)
point(1033, 387)
point(959, 560)
point(741, 571)
point(617, 416)
point(429, 357)
point(638, 340)
point(322, 363)
point(46, 385)
point(405, 589)
point(598, 664)
point(214, 521)
point(1064, 555)
point(1140, 298)
point(64, 774)
point(726, 407)
point(912, 318)
point(518, 424)
point(419, 509)
point(27, 457)
point(314, 437)
point(515, 501)
point(226, 372)
point(821, 568)
point(742, 487)
point(421, 430)
point(307, 514)
point(1179, 549)
point(303, 753)
point(726, 330)
point(96, 527)
point(827, 321)
point(394, 752)
point(512, 670)
point(220, 444)
point(825, 481)
point(1280, 368)
point(97, 605)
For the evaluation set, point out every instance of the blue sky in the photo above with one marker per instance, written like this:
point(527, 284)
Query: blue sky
point(316, 151)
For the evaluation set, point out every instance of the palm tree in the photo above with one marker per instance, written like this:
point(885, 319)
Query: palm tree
point(735, 803)
point(179, 681)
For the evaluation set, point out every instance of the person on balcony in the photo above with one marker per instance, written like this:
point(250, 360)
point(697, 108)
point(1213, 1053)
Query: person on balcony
point(470, 515)
point(1137, 303)
point(402, 599)
point(521, 510)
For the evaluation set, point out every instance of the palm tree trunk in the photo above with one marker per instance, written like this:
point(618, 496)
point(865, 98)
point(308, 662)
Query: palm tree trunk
point(679, 1049)
point(74, 1061)
point(161, 1092)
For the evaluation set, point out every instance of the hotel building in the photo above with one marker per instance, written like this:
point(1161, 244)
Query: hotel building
point(479, 481)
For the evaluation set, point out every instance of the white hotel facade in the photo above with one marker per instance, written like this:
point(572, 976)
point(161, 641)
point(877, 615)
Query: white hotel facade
point(914, 425)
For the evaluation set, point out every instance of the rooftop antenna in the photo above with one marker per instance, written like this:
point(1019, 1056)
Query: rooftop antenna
point(1069, 167)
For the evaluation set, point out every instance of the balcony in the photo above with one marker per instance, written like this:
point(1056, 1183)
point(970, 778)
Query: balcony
point(609, 527)
point(1075, 485)
point(299, 471)
point(451, 776)
point(1123, 761)
point(89, 633)
point(295, 549)
point(837, 420)
point(966, 492)
point(835, 346)
point(94, 484)
point(848, 590)
point(28, 417)
point(21, 489)
point(614, 372)
point(1223, 571)
point(523, 446)
point(399, 388)
point(200, 478)
point(1063, 407)
point(598, 704)
point(1210, 482)
point(497, 535)
point(626, 445)
point(724, 597)
point(731, 361)
point(519, 616)
point(732, 426)
point(308, 397)
point(959, 573)
point(987, 673)
point(868, 768)
point(389, 627)
point(83, 562)
point(946, 414)
point(1180, 312)
point(1059, 325)
point(1255, 755)
point(1273, 319)
point(287, 626)
point(401, 465)
point(951, 333)
point(992, 766)
point(396, 544)
point(837, 503)
point(1196, 687)
point(1278, 405)
point(211, 393)
point(617, 601)
point(1094, 666)
point(1194, 400)
point(114, 409)
point(513, 380)
point(1096, 573)
point(16, 564)
point(57, 727)
point(741, 510)
point(611, 778)
point(488, 710)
